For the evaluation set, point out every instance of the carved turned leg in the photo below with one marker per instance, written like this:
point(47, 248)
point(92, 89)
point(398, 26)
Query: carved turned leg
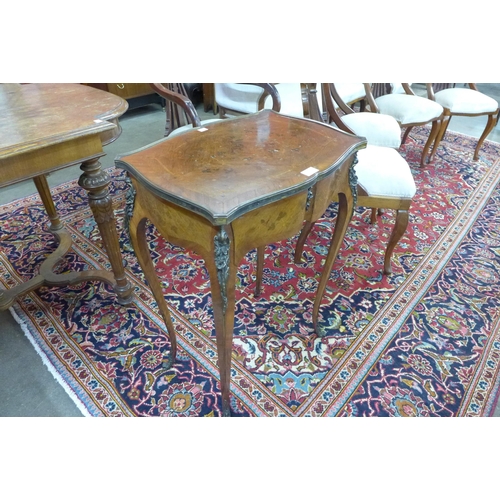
point(222, 271)
point(492, 119)
point(308, 225)
point(346, 206)
point(433, 135)
point(399, 229)
point(141, 249)
point(95, 181)
point(260, 268)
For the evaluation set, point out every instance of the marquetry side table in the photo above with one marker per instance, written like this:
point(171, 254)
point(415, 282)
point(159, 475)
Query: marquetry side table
point(234, 185)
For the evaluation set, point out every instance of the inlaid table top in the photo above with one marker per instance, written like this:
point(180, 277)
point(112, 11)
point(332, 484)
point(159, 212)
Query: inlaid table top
point(231, 166)
point(37, 115)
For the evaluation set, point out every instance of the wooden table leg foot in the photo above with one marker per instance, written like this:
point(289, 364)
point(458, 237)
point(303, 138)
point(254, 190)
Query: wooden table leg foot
point(226, 409)
point(170, 361)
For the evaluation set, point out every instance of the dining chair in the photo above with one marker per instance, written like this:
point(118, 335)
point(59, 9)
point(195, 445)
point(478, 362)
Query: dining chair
point(399, 101)
point(235, 99)
point(459, 101)
point(384, 177)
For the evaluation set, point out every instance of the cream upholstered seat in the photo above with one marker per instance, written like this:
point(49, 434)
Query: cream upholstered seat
point(407, 108)
point(384, 177)
point(186, 128)
point(384, 172)
point(464, 102)
point(379, 129)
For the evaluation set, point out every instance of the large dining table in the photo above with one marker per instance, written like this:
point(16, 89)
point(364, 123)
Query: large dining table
point(232, 186)
point(46, 127)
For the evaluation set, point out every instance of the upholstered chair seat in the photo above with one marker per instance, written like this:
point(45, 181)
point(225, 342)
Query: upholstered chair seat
point(188, 127)
point(379, 129)
point(468, 101)
point(384, 172)
point(409, 109)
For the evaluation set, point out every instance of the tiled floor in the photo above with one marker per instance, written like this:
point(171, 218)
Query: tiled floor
point(27, 387)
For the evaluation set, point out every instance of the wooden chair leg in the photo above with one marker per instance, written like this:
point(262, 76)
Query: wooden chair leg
point(432, 136)
point(492, 119)
point(260, 268)
point(373, 217)
point(308, 225)
point(399, 229)
point(442, 131)
point(406, 134)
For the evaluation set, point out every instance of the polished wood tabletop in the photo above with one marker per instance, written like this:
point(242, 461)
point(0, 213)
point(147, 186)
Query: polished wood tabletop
point(232, 186)
point(223, 171)
point(46, 127)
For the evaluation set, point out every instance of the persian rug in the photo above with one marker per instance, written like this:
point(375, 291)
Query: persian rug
point(424, 341)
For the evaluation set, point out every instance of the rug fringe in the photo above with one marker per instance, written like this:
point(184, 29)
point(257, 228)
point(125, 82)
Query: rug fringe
point(48, 364)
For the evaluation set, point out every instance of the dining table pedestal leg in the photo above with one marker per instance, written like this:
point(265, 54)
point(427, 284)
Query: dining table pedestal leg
point(95, 180)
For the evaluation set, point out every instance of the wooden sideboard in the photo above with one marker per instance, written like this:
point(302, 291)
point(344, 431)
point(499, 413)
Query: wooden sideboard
point(137, 94)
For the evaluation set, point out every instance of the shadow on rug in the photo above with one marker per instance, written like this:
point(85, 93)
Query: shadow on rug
point(422, 342)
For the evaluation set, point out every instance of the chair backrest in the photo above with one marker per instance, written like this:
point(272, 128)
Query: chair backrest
point(432, 88)
point(338, 93)
point(380, 89)
point(294, 99)
point(441, 86)
point(240, 98)
point(179, 108)
point(244, 98)
point(334, 106)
